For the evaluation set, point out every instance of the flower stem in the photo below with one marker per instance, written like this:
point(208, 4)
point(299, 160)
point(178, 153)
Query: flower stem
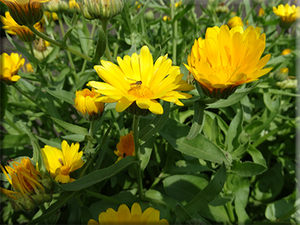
point(135, 128)
point(104, 27)
point(174, 32)
point(247, 16)
point(89, 45)
point(269, 48)
point(89, 143)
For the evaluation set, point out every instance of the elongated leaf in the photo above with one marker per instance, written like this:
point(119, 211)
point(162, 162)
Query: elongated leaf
point(54, 207)
point(199, 147)
point(208, 193)
point(70, 127)
point(13, 140)
point(83, 41)
point(61, 94)
point(145, 152)
point(256, 155)
point(98, 175)
point(198, 120)
point(4, 99)
point(141, 13)
point(52, 55)
point(182, 214)
point(234, 131)
point(50, 143)
point(247, 169)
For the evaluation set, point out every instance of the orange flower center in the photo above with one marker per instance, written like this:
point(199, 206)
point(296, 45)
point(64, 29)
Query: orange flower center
point(224, 73)
point(140, 91)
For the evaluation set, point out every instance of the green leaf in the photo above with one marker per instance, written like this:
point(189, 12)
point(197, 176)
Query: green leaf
point(208, 193)
point(199, 147)
point(198, 120)
point(234, 131)
point(70, 127)
point(83, 41)
point(4, 98)
point(256, 155)
point(182, 214)
point(50, 143)
point(74, 137)
point(52, 55)
point(182, 13)
point(98, 175)
point(157, 195)
point(247, 169)
point(141, 13)
point(61, 94)
point(145, 152)
point(67, 35)
point(14, 140)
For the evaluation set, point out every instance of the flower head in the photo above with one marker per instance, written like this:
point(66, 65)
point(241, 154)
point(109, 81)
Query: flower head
point(125, 147)
point(288, 14)
point(86, 106)
point(227, 58)
point(136, 80)
point(60, 163)
point(13, 28)
point(25, 12)
point(9, 67)
point(282, 74)
point(125, 216)
point(166, 18)
point(56, 5)
point(286, 51)
point(261, 12)
point(73, 5)
point(29, 186)
point(235, 21)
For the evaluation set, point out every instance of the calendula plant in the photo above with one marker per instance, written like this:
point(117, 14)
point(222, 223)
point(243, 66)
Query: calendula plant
point(149, 112)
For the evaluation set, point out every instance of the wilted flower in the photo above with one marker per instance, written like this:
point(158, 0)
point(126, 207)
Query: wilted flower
point(235, 21)
point(125, 216)
point(100, 9)
point(288, 14)
point(56, 6)
point(42, 49)
point(137, 82)
point(286, 51)
point(9, 67)
point(60, 163)
point(227, 58)
point(125, 147)
point(30, 188)
point(25, 12)
point(261, 12)
point(86, 106)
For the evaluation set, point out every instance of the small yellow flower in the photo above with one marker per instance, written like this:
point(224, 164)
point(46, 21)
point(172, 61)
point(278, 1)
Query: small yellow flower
point(49, 15)
point(27, 68)
point(137, 5)
point(125, 216)
point(286, 51)
point(29, 188)
point(60, 163)
point(9, 67)
point(125, 147)
point(261, 12)
point(25, 12)
point(282, 74)
point(235, 21)
point(137, 82)
point(288, 14)
point(73, 4)
point(178, 4)
point(165, 18)
point(227, 58)
point(86, 106)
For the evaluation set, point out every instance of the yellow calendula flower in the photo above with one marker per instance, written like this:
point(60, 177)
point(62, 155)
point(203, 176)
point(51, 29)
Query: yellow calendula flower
point(286, 51)
point(137, 82)
point(125, 147)
point(165, 18)
point(235, 21)
point(30, 188)
point(126, 216)
point(261, 12)
point(288, 14)
point(73, 4)
point(23, 32)
point(9, 67)
point(86, 106)
point(227, 58)
point(60, 163)
point(25, 12)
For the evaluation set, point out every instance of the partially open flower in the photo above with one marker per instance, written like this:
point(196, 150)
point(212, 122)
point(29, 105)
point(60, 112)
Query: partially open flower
point(126, 216)
point(227, 58)
point(9, 67)
point(73, 5)
point(282, 74)
point(235, 21)
point(60, 163)
point(286, 51)
point(125, 147)
point(288, 14)
point(25, 12)
point(261, 12)
point(30, 188)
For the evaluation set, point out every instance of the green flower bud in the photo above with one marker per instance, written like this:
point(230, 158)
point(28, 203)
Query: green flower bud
point(281, 75)
point(149, 15)
point(56, 6)
point(289, 83)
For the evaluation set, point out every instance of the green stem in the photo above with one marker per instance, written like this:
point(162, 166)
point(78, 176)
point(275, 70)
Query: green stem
point(89, 143)
point(104, 27)
point(104, 197)
point(89, 45)
point(269, 48)
point(135, 128)
point(43, 209)
point(230, 212)
point(247, 16)
point(174, 32)
point(53, 42)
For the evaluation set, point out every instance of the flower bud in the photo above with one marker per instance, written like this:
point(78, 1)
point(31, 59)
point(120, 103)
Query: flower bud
point(235, 21)
point(288, 83)
point(100, 9)
point(56, 6)
point(281, 75)
point(288, 15)
point(149, 15)
point(286, 51)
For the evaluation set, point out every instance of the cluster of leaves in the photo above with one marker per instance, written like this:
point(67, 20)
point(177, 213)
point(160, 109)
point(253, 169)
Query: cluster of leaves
point(232, 161)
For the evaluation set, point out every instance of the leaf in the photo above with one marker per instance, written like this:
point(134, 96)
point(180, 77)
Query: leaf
point(141, 13)
point(182, 13)
point(256, 155)
point(74, 137)
point(234, 130)
point(52, 55)
point(4, 99)
point(182, 214)
point(198, 120)
point(199, 147)
point(157, 195)
point(50, 143)
point(83, 41)
point(145, 152)
point(98, 175)
point(66, 36)
point(208, 194)
point(70, 127)
point(247, 169)
point(61, 94)
point(13, 140)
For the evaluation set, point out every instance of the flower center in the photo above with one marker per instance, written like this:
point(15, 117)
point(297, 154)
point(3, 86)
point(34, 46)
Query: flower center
point(224, 73)
point(140, 91)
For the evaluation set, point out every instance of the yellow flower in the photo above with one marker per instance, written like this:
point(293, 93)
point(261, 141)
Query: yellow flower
point(9, 67)
point(49, 15)
point(282, 74)
point(227, 58)
point(125, 216)
point(288, 14)
point(73, 4)
point(29, 188)
point(178, 4)
point(286, 51)
point(125, 147)
point(235, 21)
point(165, 18)
point(136, 80)
point(261, 12)
point(86, 106)
point(27, 68)
point(137, 4)
point(60, 163)
point(25, 12)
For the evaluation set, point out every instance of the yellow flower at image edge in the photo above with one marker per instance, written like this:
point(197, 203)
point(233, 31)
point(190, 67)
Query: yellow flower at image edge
point(60, 163)
point(227, 58)
point(9, 67)
point(29, 188)
point(126, 216)
point(136, 80)
point(25, 12)
point(288, 14)
point(125, 147)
